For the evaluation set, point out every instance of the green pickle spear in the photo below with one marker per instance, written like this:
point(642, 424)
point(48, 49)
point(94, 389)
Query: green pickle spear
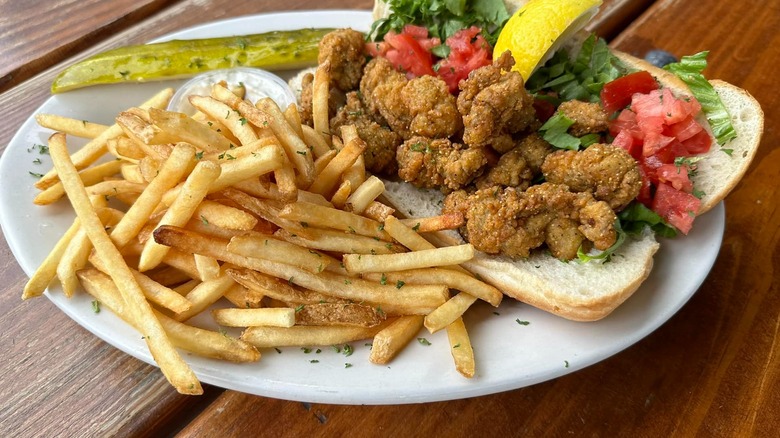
point(182, 58)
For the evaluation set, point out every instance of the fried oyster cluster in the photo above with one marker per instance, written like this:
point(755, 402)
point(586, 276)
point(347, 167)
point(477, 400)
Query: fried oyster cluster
point(481, 148)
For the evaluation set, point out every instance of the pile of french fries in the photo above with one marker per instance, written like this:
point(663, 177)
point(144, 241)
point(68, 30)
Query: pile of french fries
point(241, 202)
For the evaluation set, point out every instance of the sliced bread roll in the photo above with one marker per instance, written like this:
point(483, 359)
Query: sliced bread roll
point(591, 291)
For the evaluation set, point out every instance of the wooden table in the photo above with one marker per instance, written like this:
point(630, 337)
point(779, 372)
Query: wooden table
point(712, 370)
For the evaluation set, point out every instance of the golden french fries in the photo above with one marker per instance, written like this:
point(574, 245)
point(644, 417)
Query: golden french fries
point(243, 205)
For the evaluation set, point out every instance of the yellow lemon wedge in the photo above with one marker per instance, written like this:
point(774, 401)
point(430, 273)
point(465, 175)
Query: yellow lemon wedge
point(538, 29)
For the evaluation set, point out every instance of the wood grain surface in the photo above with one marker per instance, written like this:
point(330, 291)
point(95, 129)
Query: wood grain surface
point(712, 370)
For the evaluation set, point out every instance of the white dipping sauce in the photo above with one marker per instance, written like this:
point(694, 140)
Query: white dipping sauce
point(258, 83)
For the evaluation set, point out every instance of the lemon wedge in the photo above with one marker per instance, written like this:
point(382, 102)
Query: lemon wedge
point(538, 29)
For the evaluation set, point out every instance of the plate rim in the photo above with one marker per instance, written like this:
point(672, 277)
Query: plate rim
point(312, 393)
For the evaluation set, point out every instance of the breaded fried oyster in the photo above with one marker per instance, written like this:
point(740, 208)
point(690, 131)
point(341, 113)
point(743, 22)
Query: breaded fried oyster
point(511, 222)
point(495, 105)
point(608, 172)
point(439, 163)
point(421, 106)
point(381, 142)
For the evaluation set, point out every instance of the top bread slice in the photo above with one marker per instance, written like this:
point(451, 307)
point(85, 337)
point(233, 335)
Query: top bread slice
point(590, 291)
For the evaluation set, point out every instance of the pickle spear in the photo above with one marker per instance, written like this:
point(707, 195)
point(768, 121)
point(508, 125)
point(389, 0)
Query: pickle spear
point(182, 58)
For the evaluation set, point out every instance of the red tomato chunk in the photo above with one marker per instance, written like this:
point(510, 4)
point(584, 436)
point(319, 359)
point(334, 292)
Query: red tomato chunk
point(658, 129)
point(410, 52)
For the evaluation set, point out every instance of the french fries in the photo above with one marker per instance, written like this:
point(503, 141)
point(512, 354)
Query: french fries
point(243, 215)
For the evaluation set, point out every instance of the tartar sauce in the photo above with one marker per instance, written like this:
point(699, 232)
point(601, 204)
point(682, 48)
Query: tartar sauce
point(258, 83)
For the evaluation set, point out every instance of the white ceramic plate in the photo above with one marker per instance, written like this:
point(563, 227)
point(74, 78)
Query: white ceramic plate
point(508, 355)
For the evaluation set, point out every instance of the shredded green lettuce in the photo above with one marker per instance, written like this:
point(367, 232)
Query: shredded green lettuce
point(554, 131)
point(443, 18)
point(565, 77)
point(606, 255)
point(636, 217)
point(689, 70)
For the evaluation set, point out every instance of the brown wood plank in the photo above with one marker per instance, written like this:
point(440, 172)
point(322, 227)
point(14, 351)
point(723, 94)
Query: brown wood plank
point(35, 34)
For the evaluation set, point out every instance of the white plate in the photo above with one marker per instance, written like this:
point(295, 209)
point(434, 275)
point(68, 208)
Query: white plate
point(508, 355)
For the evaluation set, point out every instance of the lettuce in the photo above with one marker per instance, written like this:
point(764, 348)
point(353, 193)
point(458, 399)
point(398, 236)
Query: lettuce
point(689, 71)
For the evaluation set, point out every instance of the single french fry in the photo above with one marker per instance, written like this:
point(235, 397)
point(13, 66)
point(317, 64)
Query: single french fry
point(317, 142)
point(181, 161)
point(445, 256)
point(320, 95)
point(303, 336)
point(294, 118)
point(270, 317)
point(196, 340)
point(173, 367)
point(76, 255)
point(351, 314)
point(323, 160)
point(88, 177)
point(204, 295)
point(327, 217)
point(365, 194)
point(232, 119)
point(392, 339)
point(356, 173)
point(449, 221)
point(184, 288)
point(286, 182)
point(224, 216)
point(131, 173)
point(208, 268)
point(111, 188)
point(192, 193)
point(339, 198)
point(96, 148)
point(269, 248)
point(328, 179)
point(125, 149)
point(244, 297)
point(448, 312)
point(47, 270)
point(69, 126)
point(337, 241)
point(460, 347)
point(454, 279)
point(378, 211)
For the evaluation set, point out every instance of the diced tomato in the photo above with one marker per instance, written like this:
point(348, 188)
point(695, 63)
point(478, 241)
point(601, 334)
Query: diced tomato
point(663, 127)
point(409, 54)
point(627, 142)
point(468, 51)
point(676, 207)
point(699, 143)
point(616, 95)
point(410, 51)
point(647, 105)
point(684, 129)
point(675, 175)
point(416, 32)
point(626, 121)
point(375, 49)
